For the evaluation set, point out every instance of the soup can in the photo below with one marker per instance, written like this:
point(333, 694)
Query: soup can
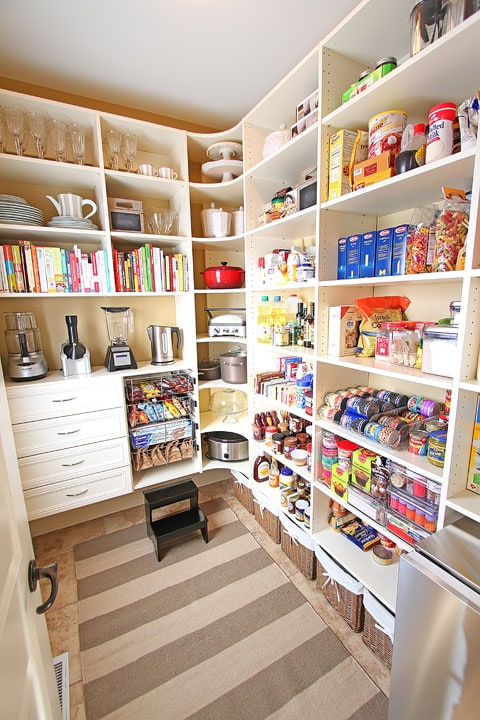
point(385, 132)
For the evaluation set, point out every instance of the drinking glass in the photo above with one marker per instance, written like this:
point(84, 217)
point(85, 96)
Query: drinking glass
point(76, 134)
point(3, 132)
point(58, 133)
point(113, 142)
point(37, 124)
point(16, 124)
point(130, 146)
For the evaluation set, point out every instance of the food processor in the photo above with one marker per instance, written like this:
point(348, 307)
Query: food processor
point(119, 322)
point(74, 355)
point(26, 360)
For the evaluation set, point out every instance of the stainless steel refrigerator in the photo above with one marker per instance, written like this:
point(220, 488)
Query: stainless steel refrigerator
point(436, 650)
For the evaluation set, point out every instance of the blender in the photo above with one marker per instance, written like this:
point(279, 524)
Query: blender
point(119, 322)
point(26, 360)
point(74, 354)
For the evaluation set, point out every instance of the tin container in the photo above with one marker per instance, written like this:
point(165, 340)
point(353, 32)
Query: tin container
point(385, 132)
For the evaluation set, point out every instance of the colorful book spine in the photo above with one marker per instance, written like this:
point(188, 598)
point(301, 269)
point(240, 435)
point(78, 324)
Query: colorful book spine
point(18, 269)
point(3, 272)
point(57, 269)
point(49, 269)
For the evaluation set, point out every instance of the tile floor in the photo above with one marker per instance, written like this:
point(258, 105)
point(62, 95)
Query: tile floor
point(62, 619)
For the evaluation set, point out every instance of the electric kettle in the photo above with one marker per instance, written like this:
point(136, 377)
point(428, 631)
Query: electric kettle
point(161, 338)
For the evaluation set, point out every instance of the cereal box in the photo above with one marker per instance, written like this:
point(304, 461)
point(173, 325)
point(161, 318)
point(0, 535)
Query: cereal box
point(343, 330)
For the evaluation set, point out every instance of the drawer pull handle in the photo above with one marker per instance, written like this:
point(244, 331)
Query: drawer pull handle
point(65, 400)
point(69, 432)
point(79, 462)
point(83, 492)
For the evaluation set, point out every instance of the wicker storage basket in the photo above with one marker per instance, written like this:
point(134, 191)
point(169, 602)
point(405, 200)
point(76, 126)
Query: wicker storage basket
point(341, 589)
point(266, 511)
point(378, 629)
point(243, 491)
point(298, 545)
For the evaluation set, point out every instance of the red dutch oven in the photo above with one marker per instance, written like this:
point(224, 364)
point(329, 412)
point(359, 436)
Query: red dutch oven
point(223, 276)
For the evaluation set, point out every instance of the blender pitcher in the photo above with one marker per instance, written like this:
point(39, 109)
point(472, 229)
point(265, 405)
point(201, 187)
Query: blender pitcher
point(119, 322)
point(26, 360)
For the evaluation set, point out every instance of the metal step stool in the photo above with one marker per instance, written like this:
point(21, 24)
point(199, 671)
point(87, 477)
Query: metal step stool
point(171, 527)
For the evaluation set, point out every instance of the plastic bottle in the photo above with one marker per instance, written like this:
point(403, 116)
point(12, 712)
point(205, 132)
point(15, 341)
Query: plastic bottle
point(291, 306)
point(414, 139)
point(261, 468)
point(279, 318)
point(293, 261)
point(264, 333)
point(274, 474)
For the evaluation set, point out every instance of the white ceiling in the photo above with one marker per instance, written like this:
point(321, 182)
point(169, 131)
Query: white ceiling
point(203, 61)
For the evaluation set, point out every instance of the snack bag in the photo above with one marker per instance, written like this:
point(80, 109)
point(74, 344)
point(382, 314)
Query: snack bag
point(418, 240)
point(451, 230)
point(375, 311)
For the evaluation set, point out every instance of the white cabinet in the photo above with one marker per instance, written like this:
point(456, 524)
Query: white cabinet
point(71, 440)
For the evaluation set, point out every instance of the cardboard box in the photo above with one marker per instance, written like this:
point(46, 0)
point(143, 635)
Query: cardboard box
point(399, 249)
point(383, 252)
point(342, 259)
point(367, 254)
point(343, 330)
point(341, 148)
point(340, 480)
point(373, 170)
point(353, 256)
point(473, 480)
point(362, 460)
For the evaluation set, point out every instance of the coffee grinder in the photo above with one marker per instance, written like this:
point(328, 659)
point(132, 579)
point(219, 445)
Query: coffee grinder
point(74, 354)
point(119, 322)
point(26, 360)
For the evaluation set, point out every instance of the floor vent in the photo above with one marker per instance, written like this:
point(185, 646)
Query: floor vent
point(60, 668)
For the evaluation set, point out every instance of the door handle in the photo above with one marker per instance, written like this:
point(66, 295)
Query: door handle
point(34, 575)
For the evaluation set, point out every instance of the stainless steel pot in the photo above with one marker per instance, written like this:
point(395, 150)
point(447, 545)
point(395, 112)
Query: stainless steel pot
point(226, 446)
point(233, 365)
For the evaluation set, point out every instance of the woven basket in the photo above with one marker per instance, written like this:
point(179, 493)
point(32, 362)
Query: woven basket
point(269, 522)
point(377, 640)
point(303, 558)
point(348, 604)
point(244, 495)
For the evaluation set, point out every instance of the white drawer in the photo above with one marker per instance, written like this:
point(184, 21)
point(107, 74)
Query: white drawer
point(64, 398)
point(63, 496)
point(52, 467)
point(59, 433)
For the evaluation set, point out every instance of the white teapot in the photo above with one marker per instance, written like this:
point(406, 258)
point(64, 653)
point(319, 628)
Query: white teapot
point(70, 205)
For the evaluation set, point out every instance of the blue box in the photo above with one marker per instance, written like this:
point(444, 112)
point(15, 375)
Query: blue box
point(383, 253)
point(367, 254)
point(342, 259)
point(399, 249)
point(353, 256)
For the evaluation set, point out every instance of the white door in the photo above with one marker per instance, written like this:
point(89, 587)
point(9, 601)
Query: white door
point(27, 681)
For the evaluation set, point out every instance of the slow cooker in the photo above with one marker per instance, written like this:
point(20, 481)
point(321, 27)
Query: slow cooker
point(226, 446)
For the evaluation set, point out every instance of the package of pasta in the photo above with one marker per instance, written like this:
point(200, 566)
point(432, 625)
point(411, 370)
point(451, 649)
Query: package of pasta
point(450, 230)
point(374, 312)
point(421, 240)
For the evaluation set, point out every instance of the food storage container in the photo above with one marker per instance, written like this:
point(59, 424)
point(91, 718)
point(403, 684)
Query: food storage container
point(215, 222)
point(440, 352)
point(275, 140)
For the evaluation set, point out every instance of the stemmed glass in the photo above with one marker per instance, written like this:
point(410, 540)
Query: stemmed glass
point(3, 132)
point(37, 125)
point(130, 147)
point(58, 134)
point(113, 140)
point(16, 124)
point(77, 140)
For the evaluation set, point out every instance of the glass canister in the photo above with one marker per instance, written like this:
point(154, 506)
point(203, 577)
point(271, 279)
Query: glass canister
point(429, 21)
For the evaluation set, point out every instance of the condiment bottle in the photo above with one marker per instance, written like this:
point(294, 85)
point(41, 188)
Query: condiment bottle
point(261, 468)
point(274, 474)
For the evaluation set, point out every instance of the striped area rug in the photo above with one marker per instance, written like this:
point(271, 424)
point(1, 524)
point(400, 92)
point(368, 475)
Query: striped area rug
point(212, 632)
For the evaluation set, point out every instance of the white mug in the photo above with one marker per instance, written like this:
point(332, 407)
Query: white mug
point(167, 173)
point(146, 169)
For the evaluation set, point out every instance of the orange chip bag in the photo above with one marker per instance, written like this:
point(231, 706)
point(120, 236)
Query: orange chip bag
point(375, 311)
